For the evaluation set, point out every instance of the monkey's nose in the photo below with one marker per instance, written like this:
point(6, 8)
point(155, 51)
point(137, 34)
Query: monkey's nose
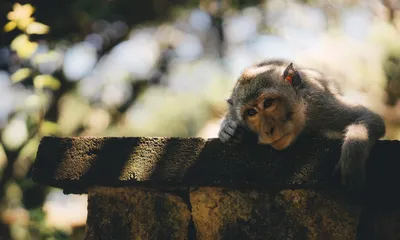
point(270, 131)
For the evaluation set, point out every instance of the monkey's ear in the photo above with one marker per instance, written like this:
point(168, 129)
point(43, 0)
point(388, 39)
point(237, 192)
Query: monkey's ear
point(229, 101)
point(291, 75)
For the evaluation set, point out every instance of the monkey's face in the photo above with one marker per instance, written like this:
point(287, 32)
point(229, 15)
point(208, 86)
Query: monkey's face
point(275, 123)
point(269, 105)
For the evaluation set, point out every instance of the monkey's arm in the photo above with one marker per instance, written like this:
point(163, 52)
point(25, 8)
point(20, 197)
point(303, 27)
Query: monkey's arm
point(361, 128)
point(231, 131)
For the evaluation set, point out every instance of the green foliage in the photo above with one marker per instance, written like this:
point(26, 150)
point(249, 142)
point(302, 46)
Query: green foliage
point(21, 74)
point(46, 81)
point(42, 231)
point(57, 105)
point(20, 137)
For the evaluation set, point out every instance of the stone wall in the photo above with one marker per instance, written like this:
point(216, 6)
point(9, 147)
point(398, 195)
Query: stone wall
point(190, 188)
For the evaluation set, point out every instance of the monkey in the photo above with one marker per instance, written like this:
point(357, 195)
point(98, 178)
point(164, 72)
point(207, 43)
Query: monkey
point(274, 102)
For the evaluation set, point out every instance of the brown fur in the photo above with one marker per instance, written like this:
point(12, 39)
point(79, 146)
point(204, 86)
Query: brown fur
point(284, 131)
point(251, 72)
point(304, 101)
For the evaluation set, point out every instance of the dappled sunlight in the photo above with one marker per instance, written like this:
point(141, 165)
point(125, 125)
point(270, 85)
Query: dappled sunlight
point(11, 98)
point(21, 16)
point(137, 55)
point(23, 46)
point(98, 68)
point(73, 112)
point(162, 113)
point(15, 134)
point(79, 61)
point(3, 158)
point(65, 211)
point(48, 61)
point(97, 120)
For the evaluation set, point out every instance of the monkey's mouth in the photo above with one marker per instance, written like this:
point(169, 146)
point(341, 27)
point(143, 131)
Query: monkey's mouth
point(280, 143)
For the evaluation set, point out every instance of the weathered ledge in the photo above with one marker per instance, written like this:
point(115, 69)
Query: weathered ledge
point(191, 188)
point(79, 162)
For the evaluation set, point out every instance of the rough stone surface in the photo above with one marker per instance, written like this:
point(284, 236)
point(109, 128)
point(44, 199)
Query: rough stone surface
point(288, 214)
point(191, 188)
point(131, 213)
point(76, 163)
point(221, 213)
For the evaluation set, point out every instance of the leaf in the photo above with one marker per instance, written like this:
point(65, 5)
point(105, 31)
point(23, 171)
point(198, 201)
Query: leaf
point(27, 151)
point(46, 81)
point(34, 102)
point(3, 157)
point(10, 26)
point(15, 133)
point(23, 23)
point(37, 28)
point(48, 128)
point(21, 74)
point(21, 15)
point(46, 57)
point(21, 12)
point(23, 46)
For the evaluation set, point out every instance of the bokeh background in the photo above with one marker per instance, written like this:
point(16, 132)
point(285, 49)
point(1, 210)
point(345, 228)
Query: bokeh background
point(163, 68)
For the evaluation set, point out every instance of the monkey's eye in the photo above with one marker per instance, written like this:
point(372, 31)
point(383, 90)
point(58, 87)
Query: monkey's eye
point(251, 112)
point(268, 102)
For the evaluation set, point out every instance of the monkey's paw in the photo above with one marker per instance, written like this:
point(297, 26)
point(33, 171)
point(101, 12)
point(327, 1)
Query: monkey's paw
point(352, 164)
point(231, 132)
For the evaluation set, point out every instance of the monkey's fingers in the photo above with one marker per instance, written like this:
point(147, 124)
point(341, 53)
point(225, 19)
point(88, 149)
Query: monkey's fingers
point(226, 135)
point(234, 128)
point(223, 136)
point(231, 133)
point(226, 138)
point(235, 137)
